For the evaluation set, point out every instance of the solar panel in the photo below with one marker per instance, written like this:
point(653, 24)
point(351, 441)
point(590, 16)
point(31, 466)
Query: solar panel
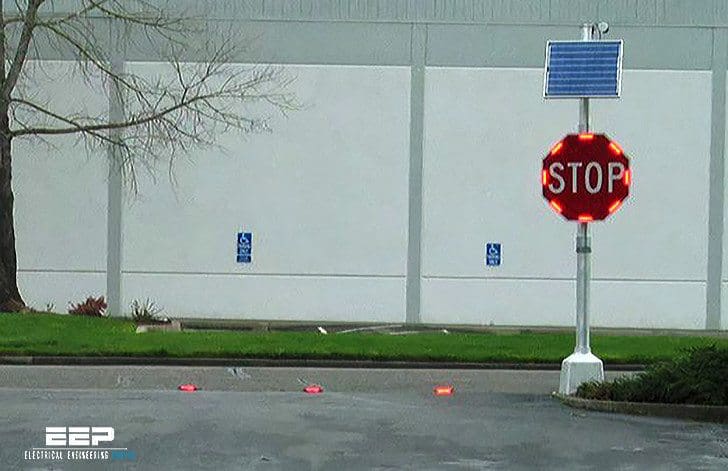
point(583, 69)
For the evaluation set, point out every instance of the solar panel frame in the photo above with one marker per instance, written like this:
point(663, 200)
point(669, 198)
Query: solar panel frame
point(618, 94)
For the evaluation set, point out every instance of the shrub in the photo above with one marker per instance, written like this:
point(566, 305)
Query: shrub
point(145, 311)
point(93, 307)
point(698, 376)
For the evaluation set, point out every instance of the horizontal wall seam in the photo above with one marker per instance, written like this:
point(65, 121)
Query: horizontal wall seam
point(58, 270)
point(354, 275)
point(428, 22)
point(273, 274)
point(540, 67)
point(202, 273)
point(533, 278)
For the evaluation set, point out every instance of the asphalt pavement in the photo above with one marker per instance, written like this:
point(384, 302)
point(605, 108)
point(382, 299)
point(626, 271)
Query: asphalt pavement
point(256, 379)
point(259, 418)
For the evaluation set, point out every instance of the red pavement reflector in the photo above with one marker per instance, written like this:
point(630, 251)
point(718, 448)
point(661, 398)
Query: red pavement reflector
point(187, 387)
point(444, 390)
point(313, 389)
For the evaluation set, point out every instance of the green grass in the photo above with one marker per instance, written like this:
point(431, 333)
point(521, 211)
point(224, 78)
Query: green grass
point(44, 334)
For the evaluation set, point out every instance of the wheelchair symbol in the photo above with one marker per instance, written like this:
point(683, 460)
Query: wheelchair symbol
point(493, 254)
point(245, 247)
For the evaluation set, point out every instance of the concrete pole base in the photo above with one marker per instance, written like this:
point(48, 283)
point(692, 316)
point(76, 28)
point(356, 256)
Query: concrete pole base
point(579, 368)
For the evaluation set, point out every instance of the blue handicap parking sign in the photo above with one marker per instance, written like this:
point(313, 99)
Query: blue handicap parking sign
point(493, 254)
point(245, 247)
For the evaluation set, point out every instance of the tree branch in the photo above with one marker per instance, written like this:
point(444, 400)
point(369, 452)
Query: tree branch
point(166, 112)
point(2, 45)
point(78, 127)
point(22, 50)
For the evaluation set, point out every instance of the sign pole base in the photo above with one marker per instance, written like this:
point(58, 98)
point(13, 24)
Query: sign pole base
point(582, 365)
point(579, 368)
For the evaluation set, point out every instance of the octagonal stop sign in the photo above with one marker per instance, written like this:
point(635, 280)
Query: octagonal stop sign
point(586, 177)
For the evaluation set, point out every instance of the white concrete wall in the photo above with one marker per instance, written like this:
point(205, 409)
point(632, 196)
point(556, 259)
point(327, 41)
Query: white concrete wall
point(724, 276)
point(724, 313)
point(325, 195)
point(486, 131)
point(60, 198)
point(660, 240)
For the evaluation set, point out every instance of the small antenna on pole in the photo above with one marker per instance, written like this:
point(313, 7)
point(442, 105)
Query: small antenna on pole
point(603, 28)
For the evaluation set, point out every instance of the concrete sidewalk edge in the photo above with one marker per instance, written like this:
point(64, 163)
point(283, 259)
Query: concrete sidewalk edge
point(283, 362)
point(699, 413)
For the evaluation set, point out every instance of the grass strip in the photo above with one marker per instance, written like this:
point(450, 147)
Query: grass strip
point(61, 335)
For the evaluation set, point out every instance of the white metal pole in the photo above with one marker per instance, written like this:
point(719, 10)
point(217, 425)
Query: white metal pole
point(583, 241)
point(582, 365)
point(583, 276)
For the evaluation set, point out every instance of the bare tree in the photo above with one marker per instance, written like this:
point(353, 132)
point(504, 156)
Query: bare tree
point(162, 117)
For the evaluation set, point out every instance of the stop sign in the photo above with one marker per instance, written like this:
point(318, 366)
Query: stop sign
point(585, 177)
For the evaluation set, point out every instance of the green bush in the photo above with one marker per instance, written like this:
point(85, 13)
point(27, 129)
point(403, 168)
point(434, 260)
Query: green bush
point(698, 376)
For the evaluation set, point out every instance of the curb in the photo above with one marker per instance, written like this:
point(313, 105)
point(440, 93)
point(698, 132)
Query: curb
point(698, 413)
point(283, 362)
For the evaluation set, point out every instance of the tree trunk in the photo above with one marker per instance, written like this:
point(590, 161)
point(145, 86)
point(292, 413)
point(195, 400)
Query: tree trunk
point(10, 299)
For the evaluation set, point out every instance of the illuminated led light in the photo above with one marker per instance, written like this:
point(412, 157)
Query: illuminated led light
point(585, 218)
point(313, 389)
point(615, 148)
point(586, 137)
point(544, 177)
point(627, 176)
point(187, 387)
point(444, 390)
point(556, 206)
point(615, 206)
point(555, 150)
